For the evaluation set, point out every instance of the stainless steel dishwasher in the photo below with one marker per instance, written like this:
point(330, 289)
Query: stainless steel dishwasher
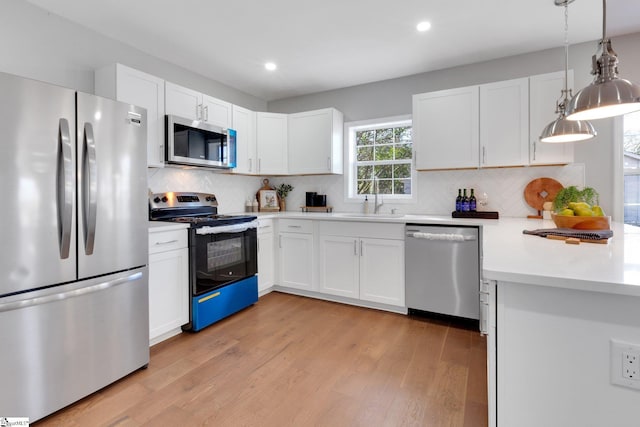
point(442, 269)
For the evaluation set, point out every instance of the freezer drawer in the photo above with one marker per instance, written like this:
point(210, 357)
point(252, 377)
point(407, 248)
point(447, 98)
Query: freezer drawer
point(66, 342)
point(442, 270)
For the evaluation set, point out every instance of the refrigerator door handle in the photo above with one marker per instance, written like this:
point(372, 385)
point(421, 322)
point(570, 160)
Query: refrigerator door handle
point(30, 302)
point(89, 188)
point(65, 188)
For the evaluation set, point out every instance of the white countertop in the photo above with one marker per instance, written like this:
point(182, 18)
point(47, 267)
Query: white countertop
point(156, 226)
point(510, 256)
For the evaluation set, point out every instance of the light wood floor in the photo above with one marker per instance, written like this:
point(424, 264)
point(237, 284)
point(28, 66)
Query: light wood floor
point(295, 361)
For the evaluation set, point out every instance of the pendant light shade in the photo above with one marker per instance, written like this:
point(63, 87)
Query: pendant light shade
point(608, 95)
point(563, 130)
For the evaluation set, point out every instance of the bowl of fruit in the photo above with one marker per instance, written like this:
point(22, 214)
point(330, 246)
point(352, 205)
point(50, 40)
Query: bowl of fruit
point(579, 209)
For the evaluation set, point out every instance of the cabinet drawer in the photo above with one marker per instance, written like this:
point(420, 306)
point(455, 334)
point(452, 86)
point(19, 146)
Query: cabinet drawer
point(162, 241)
point(375, 230)
point(295, 225)
point(265, 226)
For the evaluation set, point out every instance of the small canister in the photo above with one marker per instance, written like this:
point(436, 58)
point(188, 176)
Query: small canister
point(310, 198)
point(320, 200)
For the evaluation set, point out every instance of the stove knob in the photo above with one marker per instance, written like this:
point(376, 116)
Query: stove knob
point(156, 199)
point(164, 199)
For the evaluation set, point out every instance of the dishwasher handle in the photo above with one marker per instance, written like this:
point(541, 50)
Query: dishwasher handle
point(448, 237)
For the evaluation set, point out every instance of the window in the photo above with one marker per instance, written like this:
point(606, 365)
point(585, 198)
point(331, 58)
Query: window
point(631, 168)
point(381, 159)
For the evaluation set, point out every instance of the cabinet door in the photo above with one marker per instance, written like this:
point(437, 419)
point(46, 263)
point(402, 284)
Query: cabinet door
point(382, 271)
point(445, 129)
point(216, 111)
point(183, 102)
point(271, 141)
point(315, 141)
point(339, 266)
point(244, 123)
point(544, 91)
point(296, 260)
point(504, 123)
point(265, 261)
point(144, 90)
point(168, 292)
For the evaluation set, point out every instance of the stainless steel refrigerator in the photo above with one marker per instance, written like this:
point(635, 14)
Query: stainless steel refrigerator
point(73, 254)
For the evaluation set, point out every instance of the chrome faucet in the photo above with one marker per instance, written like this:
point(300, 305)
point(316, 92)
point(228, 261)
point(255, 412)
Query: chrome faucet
point(376, 206)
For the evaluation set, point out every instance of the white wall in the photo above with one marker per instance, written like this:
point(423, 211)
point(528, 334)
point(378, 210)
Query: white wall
point(393, 97)
point(37, 44)
point(42, 46)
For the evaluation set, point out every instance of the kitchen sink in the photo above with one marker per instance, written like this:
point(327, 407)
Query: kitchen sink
point(369, 216)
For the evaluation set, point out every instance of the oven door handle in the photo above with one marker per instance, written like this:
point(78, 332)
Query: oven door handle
point(233, 228)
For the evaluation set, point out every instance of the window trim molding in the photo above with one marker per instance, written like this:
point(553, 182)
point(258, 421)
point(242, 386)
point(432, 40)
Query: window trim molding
point(618, 164)
point(350, 165)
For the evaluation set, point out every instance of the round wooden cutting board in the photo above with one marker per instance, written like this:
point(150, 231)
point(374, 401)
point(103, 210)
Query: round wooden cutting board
point(539, 191)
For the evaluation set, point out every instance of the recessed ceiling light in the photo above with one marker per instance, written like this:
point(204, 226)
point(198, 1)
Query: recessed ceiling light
point(270, 66)
point(423, 26)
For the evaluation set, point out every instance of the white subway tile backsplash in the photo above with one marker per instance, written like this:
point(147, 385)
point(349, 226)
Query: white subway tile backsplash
point(437, 190)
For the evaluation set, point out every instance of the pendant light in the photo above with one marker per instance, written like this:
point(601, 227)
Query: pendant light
point(608, 95)
point(561, 129)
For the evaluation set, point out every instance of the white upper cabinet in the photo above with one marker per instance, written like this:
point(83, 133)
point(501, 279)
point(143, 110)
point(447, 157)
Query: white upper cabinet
point(191, 104)
point(244, 123)
point(182, 101)
point(216, 111)
point(544, 91)
point(445, 129)
point(491, 125)
point(315, 142)
point(504, 123)
point(125, 84)
point(271, 141)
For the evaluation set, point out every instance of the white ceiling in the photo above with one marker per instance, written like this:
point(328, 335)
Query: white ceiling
point(328, 44)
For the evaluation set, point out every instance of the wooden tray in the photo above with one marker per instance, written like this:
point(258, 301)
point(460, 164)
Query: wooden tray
point(477, 214)
point(316, 208)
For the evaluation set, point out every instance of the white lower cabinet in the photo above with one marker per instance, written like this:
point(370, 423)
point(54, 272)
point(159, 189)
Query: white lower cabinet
point(266, 260)
point(295, 244)
point(366, 268)
point(382, 271)
point(339, 266)
point(168, 283)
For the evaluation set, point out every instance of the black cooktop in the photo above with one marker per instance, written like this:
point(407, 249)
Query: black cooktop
point(196, 209)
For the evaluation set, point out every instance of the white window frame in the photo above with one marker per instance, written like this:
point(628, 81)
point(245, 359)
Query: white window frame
point(619, 169)
point(350, 129)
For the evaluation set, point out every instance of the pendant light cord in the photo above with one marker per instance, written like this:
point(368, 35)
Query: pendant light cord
point(604, 19)
point(566, 51)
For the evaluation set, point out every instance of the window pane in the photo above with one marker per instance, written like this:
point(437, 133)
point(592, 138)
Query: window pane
point(365, 154)
point(364, 137)
point(365, 172)
point(384, 186)
point(403, 135)
point(402, 186)
point(402, 171)
point(378, 152)
point(384, 171)
point(384, 152)
point(632, 199)
point(403, 151)
point(365, 186)
point(384, 136)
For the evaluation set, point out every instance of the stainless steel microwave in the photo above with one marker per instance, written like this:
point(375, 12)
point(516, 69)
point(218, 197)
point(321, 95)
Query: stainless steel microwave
point(197, 143)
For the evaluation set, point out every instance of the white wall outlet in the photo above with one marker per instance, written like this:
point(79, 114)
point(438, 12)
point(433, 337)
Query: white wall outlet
point(625, 364)
point(630, 364)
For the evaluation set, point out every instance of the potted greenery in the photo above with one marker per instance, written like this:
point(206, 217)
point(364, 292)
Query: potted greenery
point(283, 190)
